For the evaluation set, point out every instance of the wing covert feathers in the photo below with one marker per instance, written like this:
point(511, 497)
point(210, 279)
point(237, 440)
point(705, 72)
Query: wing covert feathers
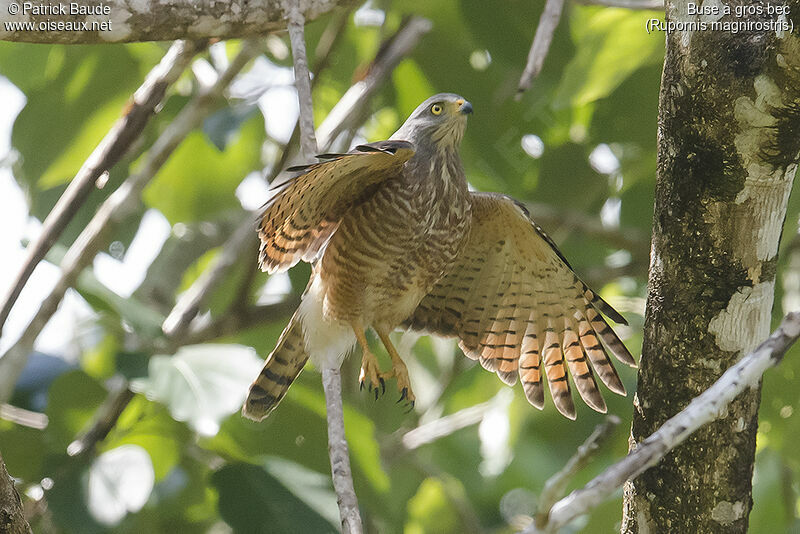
point(517, 307)
point(305, 210)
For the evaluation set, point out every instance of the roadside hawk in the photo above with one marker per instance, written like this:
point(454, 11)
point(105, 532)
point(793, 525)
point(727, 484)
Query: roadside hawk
point(396, 239)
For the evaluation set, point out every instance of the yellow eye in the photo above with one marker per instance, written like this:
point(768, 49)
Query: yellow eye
point(436, 109)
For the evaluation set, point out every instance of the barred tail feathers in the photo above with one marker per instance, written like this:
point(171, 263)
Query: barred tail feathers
point(281, 368)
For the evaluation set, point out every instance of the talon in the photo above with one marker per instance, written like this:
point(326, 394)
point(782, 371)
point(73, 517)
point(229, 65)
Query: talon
point(383, 385)
point(361, 383)
point(376, 393)
point(403, 395)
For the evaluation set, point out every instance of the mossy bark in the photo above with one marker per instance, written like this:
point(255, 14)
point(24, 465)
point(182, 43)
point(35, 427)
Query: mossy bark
point(729, 145)
point(12, 520)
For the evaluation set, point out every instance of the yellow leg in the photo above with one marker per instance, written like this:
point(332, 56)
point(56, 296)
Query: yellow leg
point(399, 368)
point(369, 363)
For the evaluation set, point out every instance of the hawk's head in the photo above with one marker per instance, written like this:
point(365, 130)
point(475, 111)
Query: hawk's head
point(439, 122)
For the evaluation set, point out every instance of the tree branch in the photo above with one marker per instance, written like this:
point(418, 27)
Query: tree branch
point(337, 449)
point(331, 378)
point(554, 487)
point(12, 520)
point(346, 113)
point(105, 419)
point(166, 20)
point(302, 80)
point(108, 152)
point(114, 209)
point(541, 44)
point(189, 303)
point(712, 404)
point(23, 417)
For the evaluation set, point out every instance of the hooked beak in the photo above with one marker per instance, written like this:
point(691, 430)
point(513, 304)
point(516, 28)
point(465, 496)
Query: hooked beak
point(465, 107)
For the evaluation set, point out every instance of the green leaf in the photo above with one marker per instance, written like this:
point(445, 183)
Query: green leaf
point(156, 432)
point(119, 482)
point(79, 94)
point(85, 140)
point(23, 450)
point(431, 510)
point(199, 181)
point(611, 44)
point(201, 384)
point(72, 401)
point(253, 501)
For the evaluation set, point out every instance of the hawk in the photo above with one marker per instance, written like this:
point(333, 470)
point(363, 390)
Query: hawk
point(396, 239)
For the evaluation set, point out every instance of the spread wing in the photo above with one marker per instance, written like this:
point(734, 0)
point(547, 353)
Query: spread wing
point(305, 210)
point(515, 303)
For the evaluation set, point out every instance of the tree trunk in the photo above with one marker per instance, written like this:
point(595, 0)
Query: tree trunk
point(12, 521)
point(729, 117)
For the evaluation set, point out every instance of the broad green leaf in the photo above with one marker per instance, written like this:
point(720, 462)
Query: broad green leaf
point(145, 320)
point(432, 510)
point(201, 384)
point(412, 86)
point(199, 181)
point(82, 87)
point(253, 501)
point(73, 399)
point(120, 481)
point(85, 140)
point(23, 450)
point(611, 44)
point(156, 432)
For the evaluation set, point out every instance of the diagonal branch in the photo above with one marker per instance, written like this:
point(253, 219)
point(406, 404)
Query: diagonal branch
point(331, 377)
point(113, 210)
point(707, 407)
point(113, 146)
point(541, 44)
point(556, 485)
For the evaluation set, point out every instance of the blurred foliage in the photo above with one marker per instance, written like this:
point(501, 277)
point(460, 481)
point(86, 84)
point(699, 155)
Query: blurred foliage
point(180, 458)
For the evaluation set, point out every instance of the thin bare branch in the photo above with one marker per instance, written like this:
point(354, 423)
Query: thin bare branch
point(331, 378)
point(337, 449)
point(23, 417)
point(230, 323)
point(12, 520)
point(350, 108)
point(302, 80)
point(114, 209)
point(108, 152)
point(556, 485)
point(106, 417)
point(712, 404)
point(445, 426)
point(541, 44)
point(166, 20)
point(189, 303)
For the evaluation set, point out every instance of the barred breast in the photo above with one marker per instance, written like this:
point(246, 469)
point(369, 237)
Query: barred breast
point(393, 248)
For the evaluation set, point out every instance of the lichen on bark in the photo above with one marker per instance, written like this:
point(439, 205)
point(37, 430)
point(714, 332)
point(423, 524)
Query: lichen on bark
point(728, 153)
